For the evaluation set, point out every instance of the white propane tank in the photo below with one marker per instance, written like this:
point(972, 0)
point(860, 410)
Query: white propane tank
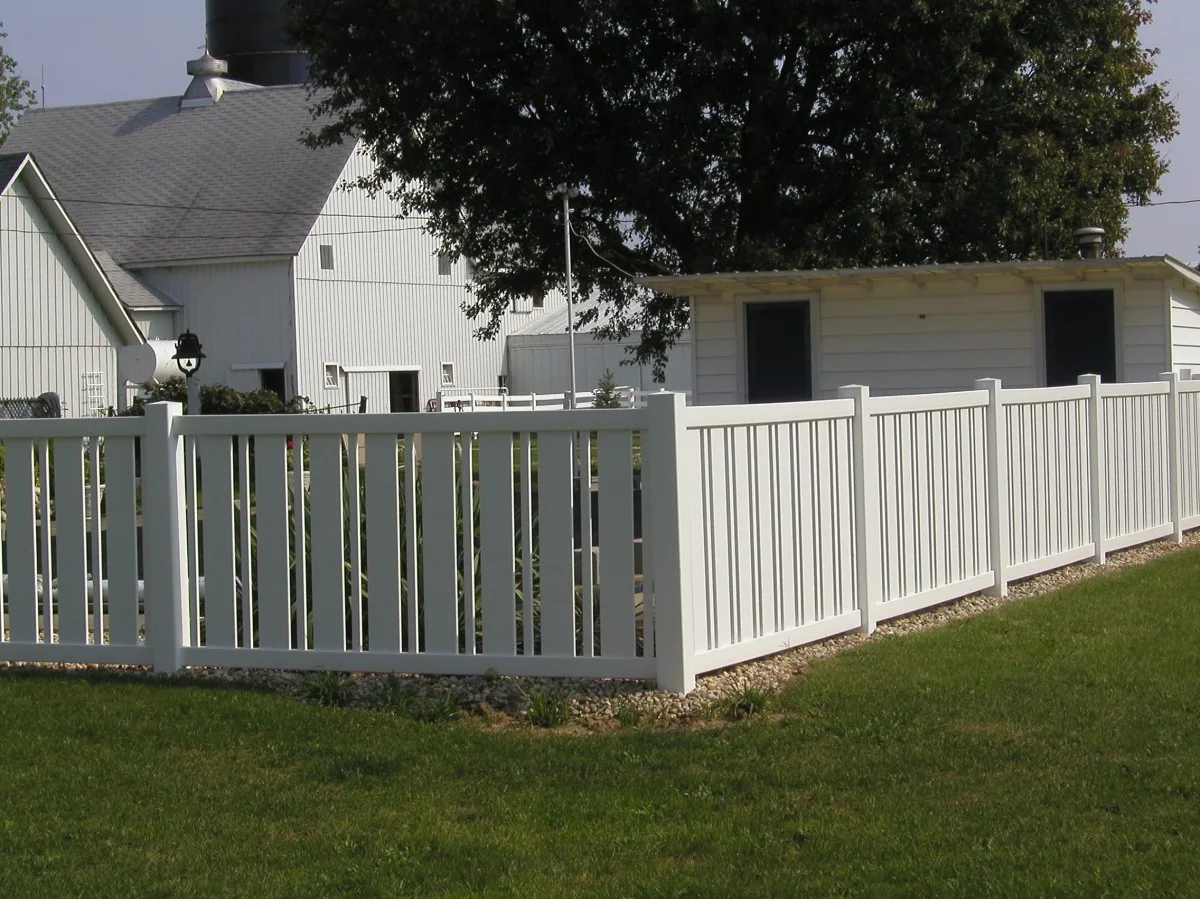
point(151, 361)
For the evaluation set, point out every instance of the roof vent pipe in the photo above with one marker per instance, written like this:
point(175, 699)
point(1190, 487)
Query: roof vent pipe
point(1090, 242)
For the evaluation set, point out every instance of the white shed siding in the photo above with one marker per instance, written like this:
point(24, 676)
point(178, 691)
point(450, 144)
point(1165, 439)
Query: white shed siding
point(904, 338)
point(1143, 323)
point(541, 364)
point(901, 337)
point(715, 340)
point(52, 329)
point(1185, 329)
point(385, 303)
point(241, 311)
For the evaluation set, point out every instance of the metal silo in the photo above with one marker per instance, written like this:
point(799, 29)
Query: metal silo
point(250, 36)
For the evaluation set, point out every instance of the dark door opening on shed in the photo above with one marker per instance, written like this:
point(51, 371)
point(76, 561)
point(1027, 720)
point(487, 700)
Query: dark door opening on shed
point(272, 379)
point(402, 391)
point(1080, 336)
point(778, 353)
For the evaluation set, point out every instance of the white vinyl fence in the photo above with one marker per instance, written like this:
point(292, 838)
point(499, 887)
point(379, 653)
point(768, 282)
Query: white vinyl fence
point(467, 399)
point(657, 542)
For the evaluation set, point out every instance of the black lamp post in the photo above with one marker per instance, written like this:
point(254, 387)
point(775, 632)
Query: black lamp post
point(189, 354)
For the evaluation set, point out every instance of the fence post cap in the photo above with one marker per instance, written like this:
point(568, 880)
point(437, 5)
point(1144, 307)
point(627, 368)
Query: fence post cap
point(1088, 379)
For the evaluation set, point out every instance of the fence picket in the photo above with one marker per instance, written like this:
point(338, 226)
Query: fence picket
point(328, 547)
point(614, 463)
point(556, 540)
point(383, 544)
point(271, 519)
point(220, 574)
point(20, 533)
point(497, 513)
point(439, 508)
point(72, 546)
point(121, 516)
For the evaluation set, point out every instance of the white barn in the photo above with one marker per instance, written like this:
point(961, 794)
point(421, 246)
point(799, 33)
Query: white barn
point(61, 321)
point(780, 336)
point(224, 223)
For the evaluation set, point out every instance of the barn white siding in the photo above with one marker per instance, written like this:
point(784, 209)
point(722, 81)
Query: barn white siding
point(156, 324)
point(53, 332)
point(541, 363)
point(241, 311)
point(1185, 329)
point(385, 302)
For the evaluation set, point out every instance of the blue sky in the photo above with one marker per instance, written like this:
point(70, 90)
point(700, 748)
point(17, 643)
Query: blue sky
point(95, 52)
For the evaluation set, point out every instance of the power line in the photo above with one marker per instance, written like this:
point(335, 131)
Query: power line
point(231, 209)
point(1164, 203)
point(587, 240)
point(295, 234)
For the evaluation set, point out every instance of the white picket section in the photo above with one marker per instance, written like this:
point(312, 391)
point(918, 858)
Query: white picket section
point(774, 529)
point(1049, 504)
point(480, 546)
point(1135, 462)
point(1189, 452)
point(933, 509)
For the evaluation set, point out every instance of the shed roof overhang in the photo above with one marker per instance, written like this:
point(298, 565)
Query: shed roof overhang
point(1040, 272)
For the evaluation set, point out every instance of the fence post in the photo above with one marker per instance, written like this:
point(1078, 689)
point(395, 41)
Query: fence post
point(1095, 448)
point(167, 614)
point(1173, 453)
point(997, 481)
point(866, 502)
point(670, 483)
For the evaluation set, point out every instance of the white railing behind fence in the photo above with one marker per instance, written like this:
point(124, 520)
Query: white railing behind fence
point(459, 544)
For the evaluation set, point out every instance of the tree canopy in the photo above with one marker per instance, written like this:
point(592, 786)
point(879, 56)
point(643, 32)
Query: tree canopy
point(15, 93)
point(709, 135)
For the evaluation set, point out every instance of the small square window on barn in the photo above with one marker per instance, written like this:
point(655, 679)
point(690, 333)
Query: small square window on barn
point(327, 257)
point(445, 265)
point(332, 377)
point(447, 374)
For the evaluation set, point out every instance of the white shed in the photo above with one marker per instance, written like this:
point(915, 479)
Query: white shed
point(539, 359)
point(61, 320)
point(794, 335)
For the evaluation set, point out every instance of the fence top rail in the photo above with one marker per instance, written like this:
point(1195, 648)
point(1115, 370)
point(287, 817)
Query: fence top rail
point(927, 402)
point(413, 423)
point(701, 417)
point(1189, 386)
point(1147, 388)
point(51, 428)
point(1027, 396)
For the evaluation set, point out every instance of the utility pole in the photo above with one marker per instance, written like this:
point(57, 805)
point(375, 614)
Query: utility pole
point(567, 193)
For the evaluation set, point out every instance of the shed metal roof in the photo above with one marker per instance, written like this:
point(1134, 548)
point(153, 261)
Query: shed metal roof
point(151, 183)
point(1065, 270)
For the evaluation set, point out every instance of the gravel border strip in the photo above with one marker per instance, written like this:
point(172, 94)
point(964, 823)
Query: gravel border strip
point(596, 704)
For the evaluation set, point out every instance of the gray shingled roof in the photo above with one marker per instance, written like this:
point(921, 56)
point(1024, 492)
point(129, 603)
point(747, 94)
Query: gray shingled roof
point(133, 291)
point(9, 163)
point(149, 182)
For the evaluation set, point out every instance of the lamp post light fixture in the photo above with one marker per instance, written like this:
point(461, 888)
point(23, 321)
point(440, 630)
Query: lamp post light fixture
point(567, 193)
point(189, 354)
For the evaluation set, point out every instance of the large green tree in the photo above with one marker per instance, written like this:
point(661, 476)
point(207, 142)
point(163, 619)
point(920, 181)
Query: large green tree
point(741, 134)
point(15, 93)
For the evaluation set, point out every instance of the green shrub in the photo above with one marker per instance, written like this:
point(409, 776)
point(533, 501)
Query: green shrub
point(743, 703)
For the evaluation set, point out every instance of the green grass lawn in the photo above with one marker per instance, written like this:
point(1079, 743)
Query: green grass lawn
point(1049, 748)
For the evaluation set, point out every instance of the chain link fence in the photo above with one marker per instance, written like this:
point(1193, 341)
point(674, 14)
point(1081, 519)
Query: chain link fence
point(48, 405)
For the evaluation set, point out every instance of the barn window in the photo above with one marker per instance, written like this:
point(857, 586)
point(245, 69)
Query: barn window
point(539, 299)
point(327, 257)
point(447, 374)
point(445, 265)
point(331, 377)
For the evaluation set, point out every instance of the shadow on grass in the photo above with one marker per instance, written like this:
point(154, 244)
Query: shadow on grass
point(143, 677)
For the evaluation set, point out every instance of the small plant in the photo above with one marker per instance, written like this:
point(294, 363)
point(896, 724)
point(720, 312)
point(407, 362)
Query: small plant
point(742, 703)
point(629, 714)
point(606, 395)
point(548, 709)
point(403, 702)
point(326, 688)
